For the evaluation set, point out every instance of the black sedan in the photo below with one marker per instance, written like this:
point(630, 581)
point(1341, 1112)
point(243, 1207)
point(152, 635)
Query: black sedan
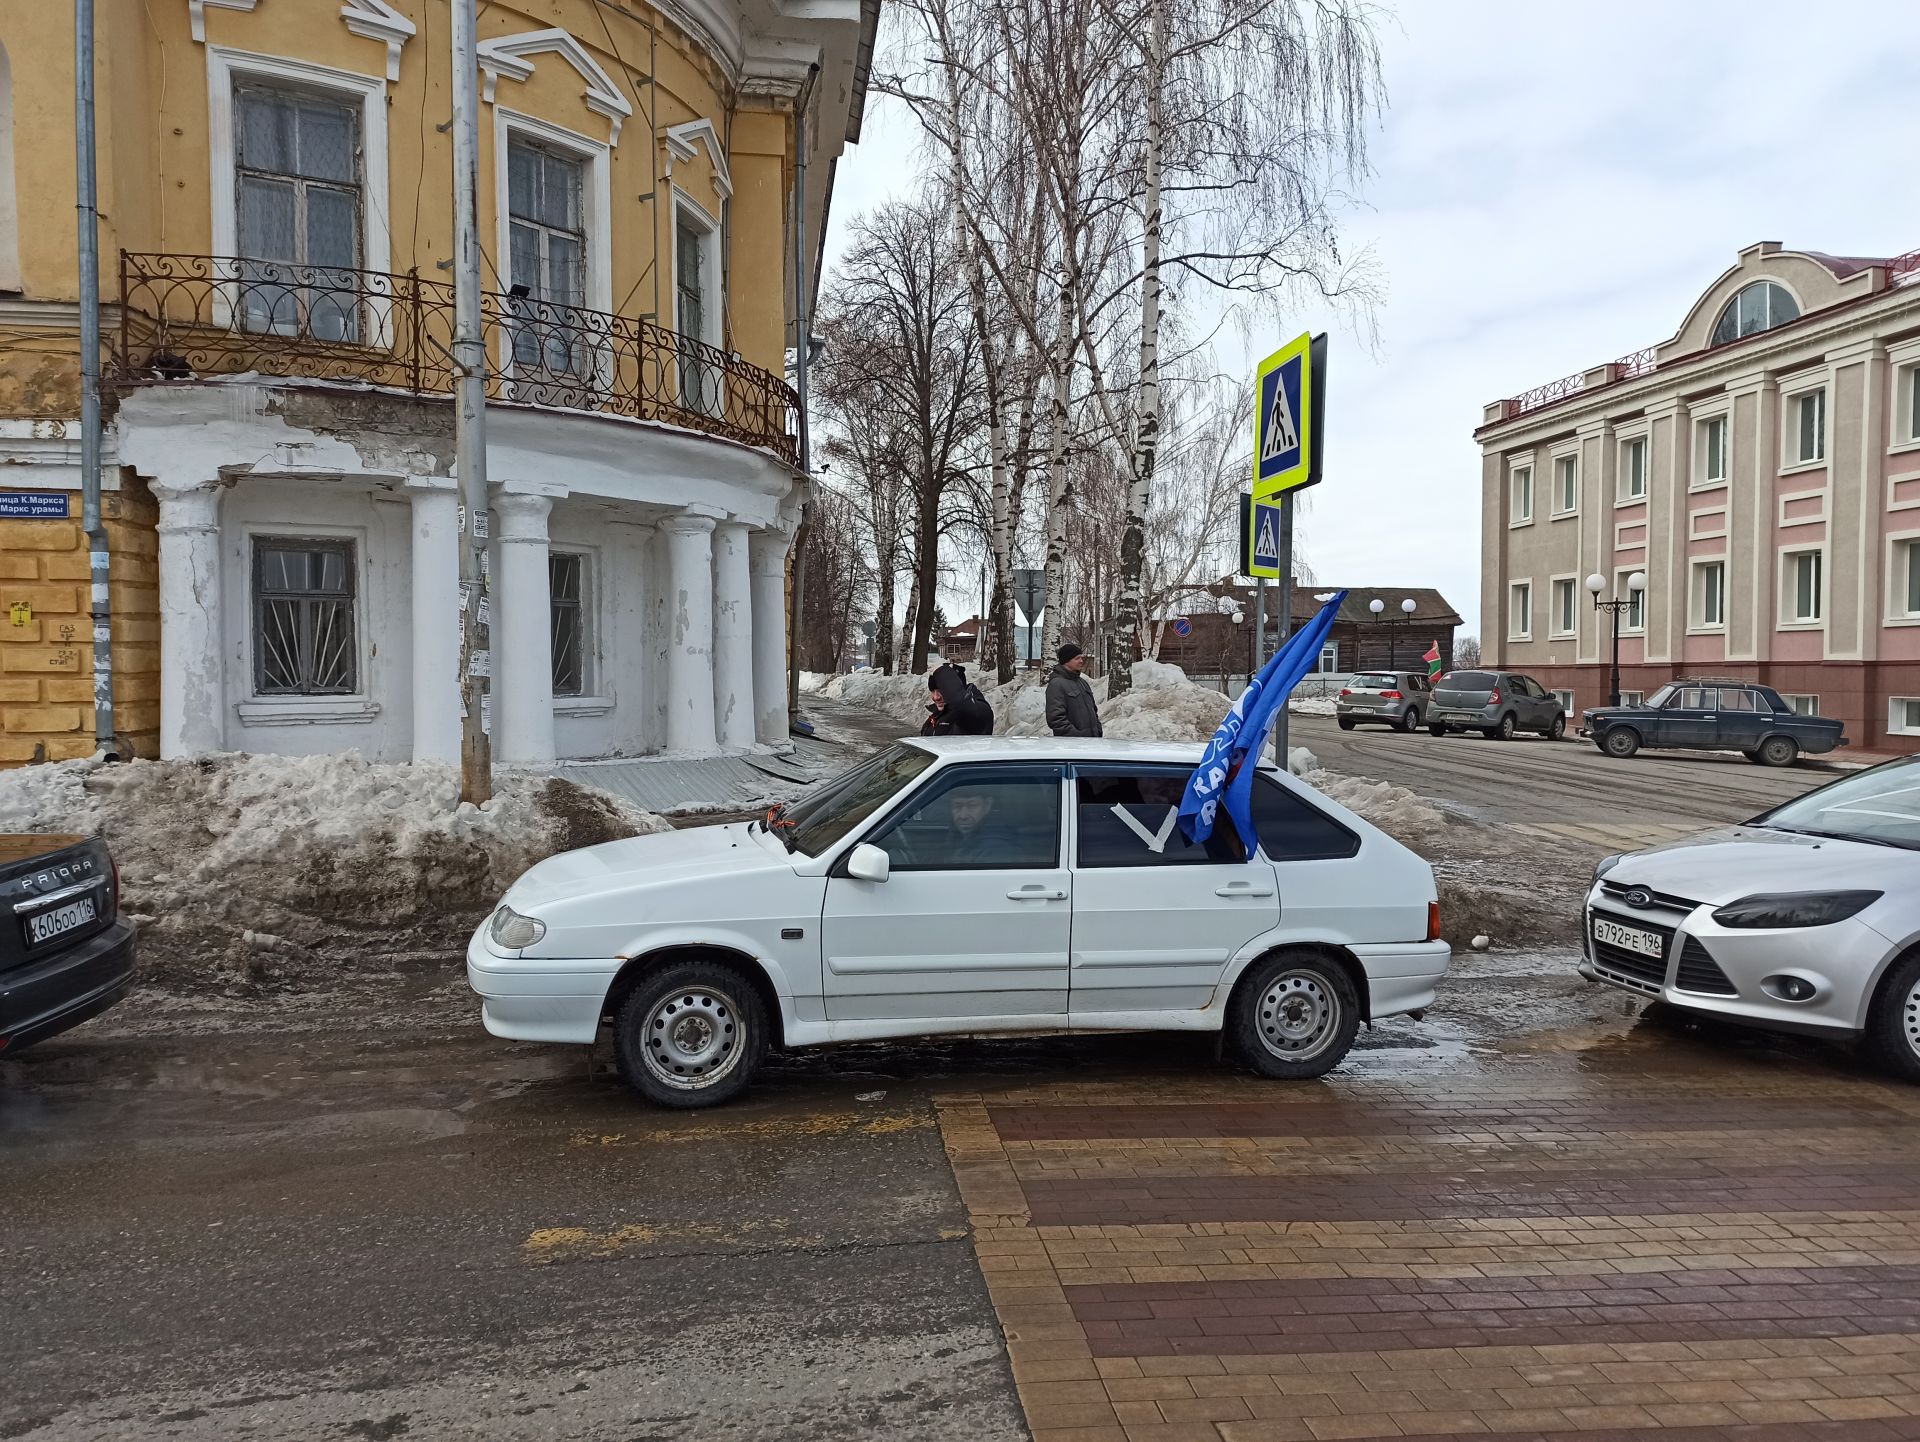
point(1714, 716)
point(67, 955)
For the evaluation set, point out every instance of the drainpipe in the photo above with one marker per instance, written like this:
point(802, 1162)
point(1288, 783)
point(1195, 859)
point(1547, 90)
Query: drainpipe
point(803, 344)
point(88, 206)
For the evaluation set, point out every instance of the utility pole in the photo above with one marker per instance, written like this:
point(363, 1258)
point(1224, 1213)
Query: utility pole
point(88, 206)
point(470, 416)
point(802, 360)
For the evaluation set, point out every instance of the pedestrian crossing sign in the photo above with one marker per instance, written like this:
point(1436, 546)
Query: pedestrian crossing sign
point(1289, 402)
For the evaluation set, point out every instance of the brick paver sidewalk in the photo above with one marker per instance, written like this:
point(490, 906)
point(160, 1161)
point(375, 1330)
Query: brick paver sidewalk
point(1687, 1258)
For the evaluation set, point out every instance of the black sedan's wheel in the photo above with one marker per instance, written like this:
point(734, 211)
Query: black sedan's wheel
point(1293, 1016)
point(1779, 751)
point(1620, 742)
point(1892, 1037)
point(691, 1035)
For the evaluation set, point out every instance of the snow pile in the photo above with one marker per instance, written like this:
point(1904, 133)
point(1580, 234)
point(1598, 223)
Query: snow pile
point(904, 698)
point(1300, 760)
point(811, 681)
point(1180, 712)
point(1157, 676)
point(289, 870)
point(1311, 705)
point(1020, 706)
point(1404, 815)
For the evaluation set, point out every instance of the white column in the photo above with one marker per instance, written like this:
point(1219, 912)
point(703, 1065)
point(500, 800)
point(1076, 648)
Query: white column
point(192, 638)
point(732, 636)
point(522, 631)
point(690, 725)
point(434, 540)
point(768, 550)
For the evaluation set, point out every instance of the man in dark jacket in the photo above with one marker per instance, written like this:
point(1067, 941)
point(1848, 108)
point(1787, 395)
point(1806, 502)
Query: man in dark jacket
point(955, 706)
point(1071, 709)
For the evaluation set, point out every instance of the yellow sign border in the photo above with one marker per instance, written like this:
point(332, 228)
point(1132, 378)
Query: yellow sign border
point(1297, 475)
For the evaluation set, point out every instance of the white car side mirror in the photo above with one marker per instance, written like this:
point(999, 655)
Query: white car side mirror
point(869, 863)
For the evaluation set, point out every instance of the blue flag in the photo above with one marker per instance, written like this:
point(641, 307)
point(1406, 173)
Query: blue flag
point(1226, 768)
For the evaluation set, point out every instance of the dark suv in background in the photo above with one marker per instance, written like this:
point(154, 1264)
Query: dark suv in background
point(1707, 715)
point(1495, 703)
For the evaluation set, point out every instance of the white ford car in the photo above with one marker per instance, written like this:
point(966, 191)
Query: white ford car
point(1804, 920)
point(967, 884)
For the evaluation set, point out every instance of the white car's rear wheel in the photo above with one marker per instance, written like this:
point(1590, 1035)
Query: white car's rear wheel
point(1293, 1016)
point(691, 1035)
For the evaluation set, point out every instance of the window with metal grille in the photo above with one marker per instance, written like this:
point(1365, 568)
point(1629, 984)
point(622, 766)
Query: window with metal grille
point(547, 260)
point(298, 206)
point(699, 382)
point(303, 624)
point(566, 583)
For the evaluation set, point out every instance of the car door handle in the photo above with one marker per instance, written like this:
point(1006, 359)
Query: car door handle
point(1035, 893)
point(1242, 888)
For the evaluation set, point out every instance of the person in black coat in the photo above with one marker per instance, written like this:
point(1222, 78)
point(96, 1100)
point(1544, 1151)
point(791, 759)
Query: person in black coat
point(955, 706)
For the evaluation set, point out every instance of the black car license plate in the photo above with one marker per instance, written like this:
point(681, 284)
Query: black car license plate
point(47, 925)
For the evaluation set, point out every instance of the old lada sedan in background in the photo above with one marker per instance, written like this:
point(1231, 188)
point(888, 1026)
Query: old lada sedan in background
point(968, 884)
point(1806, 919)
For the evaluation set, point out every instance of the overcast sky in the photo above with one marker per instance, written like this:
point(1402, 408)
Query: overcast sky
point(1554, 186)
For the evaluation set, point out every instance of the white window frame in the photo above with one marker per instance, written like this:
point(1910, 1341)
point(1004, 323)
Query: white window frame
point(357, 706)
point(1903, 561)
point(1790, 457)
point(1521, 592)
point(1520, 485)
point(1632, 698)
point(1642, 445)
point(1703, 475)
point(686, 207)
point(1896, 716)
point(596, 199)
point(1555, 630)
point(1628, 625)
point(1329, 658)
point(1793, 700)
point(1565, 698)
point(1906, 405)
point(227, 68)
point(1699, 622)
point(1789, 619)
point(1572, 508)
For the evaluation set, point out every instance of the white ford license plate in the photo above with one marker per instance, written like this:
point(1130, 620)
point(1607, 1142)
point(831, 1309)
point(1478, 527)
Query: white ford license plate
point(1630, 938)
point(59, 921)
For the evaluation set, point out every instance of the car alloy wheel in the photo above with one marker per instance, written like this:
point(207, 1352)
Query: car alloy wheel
point(1557, 731)
point(1411, 721)
point(693, 1038)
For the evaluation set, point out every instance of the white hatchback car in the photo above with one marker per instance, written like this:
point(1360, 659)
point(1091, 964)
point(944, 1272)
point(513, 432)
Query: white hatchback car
point(1805, 920)
point(967, 884)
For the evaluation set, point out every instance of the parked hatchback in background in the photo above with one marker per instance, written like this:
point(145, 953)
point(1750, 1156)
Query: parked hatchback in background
point(1714, 716)
point(1805, 920)
point(1387, 698)
point(1498, 704)
point(968, 884)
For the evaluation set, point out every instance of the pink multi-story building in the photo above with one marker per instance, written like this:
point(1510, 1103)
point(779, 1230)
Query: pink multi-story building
point(1761, 469)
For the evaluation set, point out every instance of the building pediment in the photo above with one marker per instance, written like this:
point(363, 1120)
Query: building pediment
point(1811, 281)
point(512, 56)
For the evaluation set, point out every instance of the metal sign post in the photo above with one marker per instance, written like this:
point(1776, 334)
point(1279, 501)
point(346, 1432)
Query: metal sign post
point(1289, 426)
point(1030, 594)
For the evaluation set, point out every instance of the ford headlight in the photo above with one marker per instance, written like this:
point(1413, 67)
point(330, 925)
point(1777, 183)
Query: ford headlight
point(1795, 908)
point(511, 931)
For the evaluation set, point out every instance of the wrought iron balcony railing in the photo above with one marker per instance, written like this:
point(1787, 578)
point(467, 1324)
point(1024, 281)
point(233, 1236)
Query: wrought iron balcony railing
point(185, 317)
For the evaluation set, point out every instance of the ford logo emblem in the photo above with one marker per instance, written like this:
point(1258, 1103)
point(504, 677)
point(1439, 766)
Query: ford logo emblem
point(1639, 898)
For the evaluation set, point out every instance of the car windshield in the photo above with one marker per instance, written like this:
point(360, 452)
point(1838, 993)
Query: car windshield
point(1659, 698)
point(1880, 806)
point(842, 803)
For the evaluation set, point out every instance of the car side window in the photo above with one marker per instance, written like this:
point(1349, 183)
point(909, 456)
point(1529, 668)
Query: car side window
point(978, 818)
point(1733, 698)
point(1696, 698)
point(1131, 818)
point(1291, 829)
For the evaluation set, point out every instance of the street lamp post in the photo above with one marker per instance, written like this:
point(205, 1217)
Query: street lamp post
point(1636, 586)
point(1407, 608)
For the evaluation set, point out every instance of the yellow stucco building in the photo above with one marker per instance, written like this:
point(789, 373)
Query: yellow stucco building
point(275, 240)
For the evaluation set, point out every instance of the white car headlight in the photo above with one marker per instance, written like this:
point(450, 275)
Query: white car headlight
point(513, 931)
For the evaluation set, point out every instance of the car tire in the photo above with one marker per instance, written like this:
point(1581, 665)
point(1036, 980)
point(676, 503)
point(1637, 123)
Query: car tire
point(1293, 1016)
point(1436, 729)
point(1620, 742)
point(1346, 723)
point(691, 1035)
point(1558, 730)
point(1411, 721)
point(1779, 751)
point(1892, 1038)
point(1504, 731)
point(1753, 756)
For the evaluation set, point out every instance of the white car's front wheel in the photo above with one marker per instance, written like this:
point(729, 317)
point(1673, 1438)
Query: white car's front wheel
point(1893, 1026)
point(1293, 1016)
point(691, 1035)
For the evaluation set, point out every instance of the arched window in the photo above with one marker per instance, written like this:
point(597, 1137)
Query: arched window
point(9, 201)
point(1760, 306)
